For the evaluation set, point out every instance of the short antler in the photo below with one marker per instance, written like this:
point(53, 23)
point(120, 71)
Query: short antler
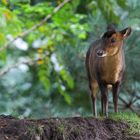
point(111, 27)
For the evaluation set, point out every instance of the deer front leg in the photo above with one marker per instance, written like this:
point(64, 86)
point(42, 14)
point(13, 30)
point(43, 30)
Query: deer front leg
point(115, 91)
point(104, 99)
point(94, 89)
point(94, 108)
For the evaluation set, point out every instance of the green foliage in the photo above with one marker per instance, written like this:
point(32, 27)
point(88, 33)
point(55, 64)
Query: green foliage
point(108, 11)
point(122, 3)
point(54, 83)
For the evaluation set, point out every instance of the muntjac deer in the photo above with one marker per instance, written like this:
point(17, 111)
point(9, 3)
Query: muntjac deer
point(105, 66)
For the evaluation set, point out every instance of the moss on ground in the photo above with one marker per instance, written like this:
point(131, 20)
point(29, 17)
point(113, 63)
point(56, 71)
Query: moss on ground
point(130, 118)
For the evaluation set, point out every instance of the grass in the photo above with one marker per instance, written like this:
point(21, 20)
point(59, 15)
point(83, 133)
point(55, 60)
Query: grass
point(35, 131)
point(132, 119)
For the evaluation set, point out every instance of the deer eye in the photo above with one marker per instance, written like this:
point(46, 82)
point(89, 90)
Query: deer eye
point(113, 40)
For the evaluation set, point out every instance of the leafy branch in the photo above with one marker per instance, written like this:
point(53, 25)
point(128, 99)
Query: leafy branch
point(37, 25)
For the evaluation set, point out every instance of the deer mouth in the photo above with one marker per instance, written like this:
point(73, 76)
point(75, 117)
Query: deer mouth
point(101, 53)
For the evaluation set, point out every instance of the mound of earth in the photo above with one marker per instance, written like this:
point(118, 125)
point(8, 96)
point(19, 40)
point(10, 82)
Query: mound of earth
point(75, 128)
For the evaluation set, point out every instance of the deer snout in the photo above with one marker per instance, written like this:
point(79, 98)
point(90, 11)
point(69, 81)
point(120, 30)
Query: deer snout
point(101, 53)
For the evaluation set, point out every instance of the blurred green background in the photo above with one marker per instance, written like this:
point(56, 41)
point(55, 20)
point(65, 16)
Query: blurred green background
point(43, 73)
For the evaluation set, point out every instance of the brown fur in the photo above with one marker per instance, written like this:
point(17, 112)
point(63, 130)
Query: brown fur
point(107, 70)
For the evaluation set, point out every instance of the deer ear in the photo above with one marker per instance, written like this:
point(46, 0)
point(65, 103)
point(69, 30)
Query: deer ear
point(126, 32)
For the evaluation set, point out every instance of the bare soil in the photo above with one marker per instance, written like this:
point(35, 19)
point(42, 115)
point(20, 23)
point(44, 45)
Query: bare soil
point(75, 128)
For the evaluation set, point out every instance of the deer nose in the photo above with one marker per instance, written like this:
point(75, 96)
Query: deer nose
point(100, 52)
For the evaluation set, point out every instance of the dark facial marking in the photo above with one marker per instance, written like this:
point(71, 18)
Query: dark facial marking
point(108, 34)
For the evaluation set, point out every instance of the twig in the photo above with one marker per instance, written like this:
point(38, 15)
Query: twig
point(7, 69)
point(37, 25)
point(128, 106)
point(28, 61)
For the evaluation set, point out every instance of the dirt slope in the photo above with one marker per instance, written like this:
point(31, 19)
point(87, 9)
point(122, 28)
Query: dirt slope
point(63, 129)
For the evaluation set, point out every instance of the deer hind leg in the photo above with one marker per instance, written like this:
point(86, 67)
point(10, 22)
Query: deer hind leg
point(94, 90)
point(115, 91)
